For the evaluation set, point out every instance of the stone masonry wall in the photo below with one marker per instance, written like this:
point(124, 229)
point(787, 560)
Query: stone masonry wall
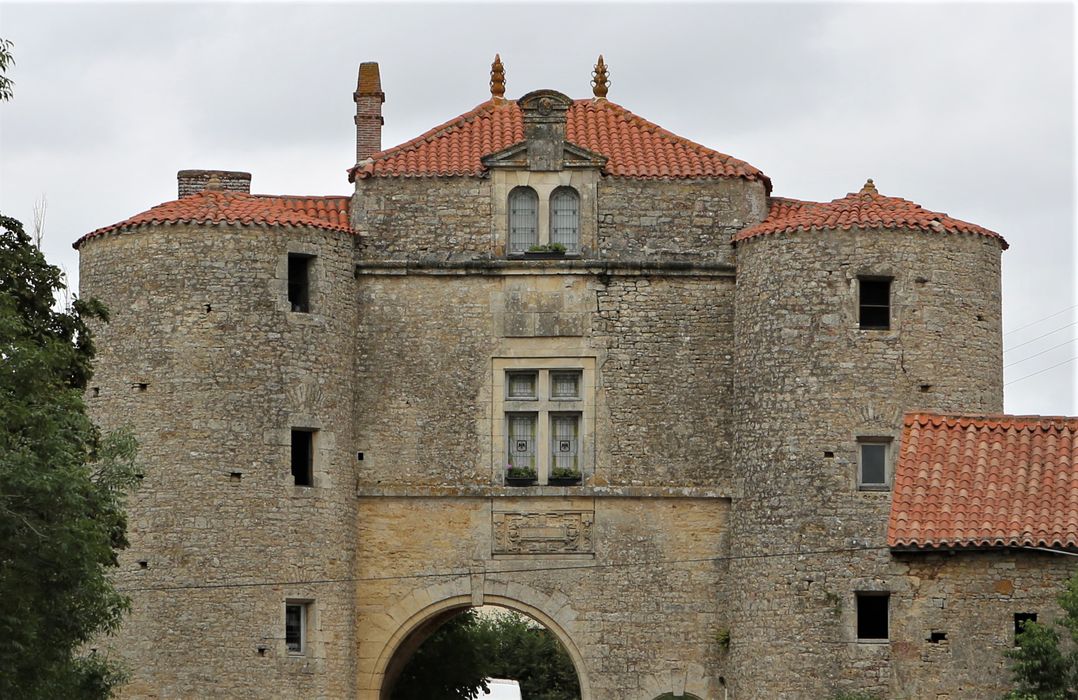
point(664, 372)
point(205, 361)
point(679, 219)
point(423, 218)
point(635, 631)
point(808, 382)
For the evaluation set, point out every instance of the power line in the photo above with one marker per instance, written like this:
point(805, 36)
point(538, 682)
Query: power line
point(1041, 371)
point(1065, 342)
point(1045, 318)
point(494, 572)
point(1045, 335)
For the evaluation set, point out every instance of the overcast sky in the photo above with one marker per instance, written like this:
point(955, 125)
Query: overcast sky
point(966, 109)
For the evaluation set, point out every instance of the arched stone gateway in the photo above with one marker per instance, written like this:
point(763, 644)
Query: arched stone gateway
point(400, 645)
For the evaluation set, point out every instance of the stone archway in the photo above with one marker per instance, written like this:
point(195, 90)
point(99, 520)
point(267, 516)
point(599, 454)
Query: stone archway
point(412, 631)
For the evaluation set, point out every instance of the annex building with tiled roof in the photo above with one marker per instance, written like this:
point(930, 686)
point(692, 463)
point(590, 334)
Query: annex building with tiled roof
point(551, 356)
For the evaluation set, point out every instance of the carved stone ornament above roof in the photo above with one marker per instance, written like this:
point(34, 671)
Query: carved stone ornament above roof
point(571, 156)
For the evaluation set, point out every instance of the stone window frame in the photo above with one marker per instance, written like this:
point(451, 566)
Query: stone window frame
point(315, 282)
point(892, 307)
point(307, 626)
point(584, 180)
point(888, 462)
point(871, 593)
point(544, 406)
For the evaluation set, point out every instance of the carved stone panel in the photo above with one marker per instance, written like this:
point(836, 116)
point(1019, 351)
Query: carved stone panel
point(552, 532)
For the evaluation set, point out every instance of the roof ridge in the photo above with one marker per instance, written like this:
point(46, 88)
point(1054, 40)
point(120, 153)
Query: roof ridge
point(431, 134)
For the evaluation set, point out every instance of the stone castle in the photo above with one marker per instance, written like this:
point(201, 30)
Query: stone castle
point(553, 357)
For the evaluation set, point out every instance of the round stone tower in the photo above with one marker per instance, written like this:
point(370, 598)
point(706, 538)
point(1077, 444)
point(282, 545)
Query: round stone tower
point(229, 352)
point(847, 315)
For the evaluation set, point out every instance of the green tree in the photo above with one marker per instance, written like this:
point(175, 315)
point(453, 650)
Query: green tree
point(1042, 670)
point(455, 661)
point(525, 651)
point(450, 664)
point(6, 61)
point(62, 488)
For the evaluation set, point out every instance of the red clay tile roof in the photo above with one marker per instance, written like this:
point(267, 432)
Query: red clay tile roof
point(985, 481)
point(864, 209)
point(222, 207)
point(634, 147)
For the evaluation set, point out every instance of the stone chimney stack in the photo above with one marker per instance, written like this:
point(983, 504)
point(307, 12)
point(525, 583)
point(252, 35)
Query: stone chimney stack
point(194, 181)
point(369, 98)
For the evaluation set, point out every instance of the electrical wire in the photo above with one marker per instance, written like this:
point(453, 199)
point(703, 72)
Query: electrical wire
point(1045, 335)
point(1045, 318)
point(1065, 342)
point(1041, 371)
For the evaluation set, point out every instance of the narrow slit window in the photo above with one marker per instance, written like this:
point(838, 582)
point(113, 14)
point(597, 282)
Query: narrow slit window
point(872, 460)
point(295, 627)
point(299, 282)
point(521, 441)
point(872, 616)
point(303, 457)
point(565, 219)
point(875, 303)
point(523, 219)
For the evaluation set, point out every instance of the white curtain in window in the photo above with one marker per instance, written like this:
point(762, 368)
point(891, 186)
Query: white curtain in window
point(565, 440)
point(523, 219)
point(521, 385)
point(565, 218)
point(522, 440)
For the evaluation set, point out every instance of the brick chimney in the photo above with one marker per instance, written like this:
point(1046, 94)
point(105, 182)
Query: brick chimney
point(194, 181)
point(369, 98)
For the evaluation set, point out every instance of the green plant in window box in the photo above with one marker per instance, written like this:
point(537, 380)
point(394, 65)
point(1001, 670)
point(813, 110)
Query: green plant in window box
point(546, 250)
point(519, 476)
point(563, 476)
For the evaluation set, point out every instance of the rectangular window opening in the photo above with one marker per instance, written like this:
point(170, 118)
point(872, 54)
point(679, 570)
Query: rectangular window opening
point(872, 623)
point(303, 457)
point(521, 458)
point(299, 282)
point(295, 627)
point(1020, 620)
point(521, 386)
point(565, 444)
point(937, 637)
point(565, 385)
point(875, 303)
point(872, 460)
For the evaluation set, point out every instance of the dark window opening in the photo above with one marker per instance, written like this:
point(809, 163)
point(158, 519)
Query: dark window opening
point(872, 615)
point(299, 282)
point(937, 637)
point(295, 615)
point(875, 304)
point(303, 457)
point(1020, 620)
point(872, 464)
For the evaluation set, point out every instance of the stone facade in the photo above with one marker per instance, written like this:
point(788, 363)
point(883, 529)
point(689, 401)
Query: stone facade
point(717, 539)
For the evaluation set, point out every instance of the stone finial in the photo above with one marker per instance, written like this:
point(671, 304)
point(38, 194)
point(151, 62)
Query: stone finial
point(869, 188)
point(600, 82)
point(497, 79)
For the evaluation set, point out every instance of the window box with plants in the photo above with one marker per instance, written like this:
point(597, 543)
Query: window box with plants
point(549, 251)
point(562, 476)
point(520, 476)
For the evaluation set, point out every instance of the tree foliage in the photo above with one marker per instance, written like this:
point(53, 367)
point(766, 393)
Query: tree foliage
point(455, 661)
point(62, 488)
point(6, 61)
point(1042, 669)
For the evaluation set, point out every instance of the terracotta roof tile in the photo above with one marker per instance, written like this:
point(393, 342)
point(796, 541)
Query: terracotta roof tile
point(985, 481)
point(223, 207)
point(634, 147)
point(867, 209)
